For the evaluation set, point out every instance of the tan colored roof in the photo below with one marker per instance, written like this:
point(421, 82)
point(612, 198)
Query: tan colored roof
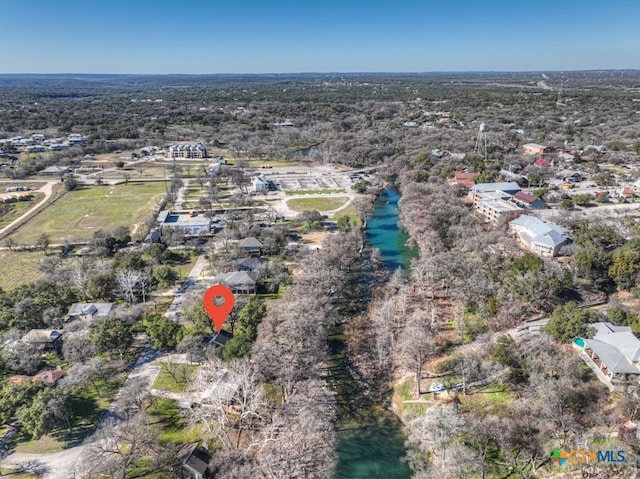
point(41, 336)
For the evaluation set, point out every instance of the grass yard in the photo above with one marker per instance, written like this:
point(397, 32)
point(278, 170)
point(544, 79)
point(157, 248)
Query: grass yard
point(489, 399)
point(320, 204)
point(405, 391)
point(81, 212)
point(173, 425)
point(19, 267)
point(166, 381)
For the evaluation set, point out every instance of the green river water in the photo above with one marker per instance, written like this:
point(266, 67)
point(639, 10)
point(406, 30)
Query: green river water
point(371, 443)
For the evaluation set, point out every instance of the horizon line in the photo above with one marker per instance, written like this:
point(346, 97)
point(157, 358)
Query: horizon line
point(381, 72)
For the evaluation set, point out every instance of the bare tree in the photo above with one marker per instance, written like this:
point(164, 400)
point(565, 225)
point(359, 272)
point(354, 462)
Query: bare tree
point(232, 401)
point(118, 448)
point(300, 442)
point(129, 282)
point(416, 345)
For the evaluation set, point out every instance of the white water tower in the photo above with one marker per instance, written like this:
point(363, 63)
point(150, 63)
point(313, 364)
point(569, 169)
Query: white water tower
point(481, 140)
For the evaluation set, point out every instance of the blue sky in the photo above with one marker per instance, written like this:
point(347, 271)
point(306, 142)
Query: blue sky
point(223, 36)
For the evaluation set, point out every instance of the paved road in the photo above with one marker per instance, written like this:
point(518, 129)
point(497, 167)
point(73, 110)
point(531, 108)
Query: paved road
point(59, 464)
point(189, 283)
point(281, 207)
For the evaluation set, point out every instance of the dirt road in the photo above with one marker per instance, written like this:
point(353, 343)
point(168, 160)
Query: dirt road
point(47, 189)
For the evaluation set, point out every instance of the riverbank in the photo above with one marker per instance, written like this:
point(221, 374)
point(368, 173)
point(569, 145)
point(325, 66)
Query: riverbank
point(370, 437)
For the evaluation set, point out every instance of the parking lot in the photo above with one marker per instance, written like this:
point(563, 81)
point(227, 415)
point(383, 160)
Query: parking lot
point(310, 182)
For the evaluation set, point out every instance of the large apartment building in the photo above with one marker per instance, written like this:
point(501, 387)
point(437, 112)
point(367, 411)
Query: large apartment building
point(197, 150)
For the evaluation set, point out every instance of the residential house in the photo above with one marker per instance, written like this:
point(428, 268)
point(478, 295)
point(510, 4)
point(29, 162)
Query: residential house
point(251, 246)
point(259, 183)
point(240, 282)
point(510, 176)
point(599, 148)
point(50, 377)
point(250, 264)
point(627, 193)
point(54, 171)
point(528, 201)
point(192, 462)
point(219, 339)
point(613, 354)
point(35, 149)
point(89, 311)
point(543, 163)
point(534, 149)
point(48, 340)
point(221, 389)
point(569, 176)
point(463, 179)
point(537, 236)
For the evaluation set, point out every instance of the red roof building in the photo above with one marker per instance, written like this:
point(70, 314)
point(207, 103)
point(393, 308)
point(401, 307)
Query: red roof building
point(541, 162)
point(463, 179)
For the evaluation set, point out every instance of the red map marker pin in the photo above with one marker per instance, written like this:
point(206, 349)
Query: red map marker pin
point(218, 313)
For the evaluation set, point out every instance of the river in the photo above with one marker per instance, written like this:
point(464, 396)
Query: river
point(370, 441)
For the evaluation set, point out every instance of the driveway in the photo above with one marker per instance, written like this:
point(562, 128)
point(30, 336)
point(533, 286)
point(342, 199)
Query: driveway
point(189, 283)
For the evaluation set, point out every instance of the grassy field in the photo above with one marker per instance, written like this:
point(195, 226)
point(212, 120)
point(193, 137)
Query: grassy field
point(19, 267)
point(81, 212)
point(272, 163)
point(20, 208)
point(320, 204)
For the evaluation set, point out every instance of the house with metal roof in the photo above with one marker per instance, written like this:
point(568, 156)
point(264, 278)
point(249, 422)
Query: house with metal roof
point(89, 310)
point(47, 340)
point(528, 201)
point(613, 354)
point(240, 282)
point(192, 463)
point(544, 239)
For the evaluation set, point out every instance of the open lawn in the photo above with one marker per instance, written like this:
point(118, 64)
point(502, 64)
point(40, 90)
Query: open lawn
point(173, 425)
point(19, 267)
point(320, 204)
point(79, 213)
point(174, 377)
